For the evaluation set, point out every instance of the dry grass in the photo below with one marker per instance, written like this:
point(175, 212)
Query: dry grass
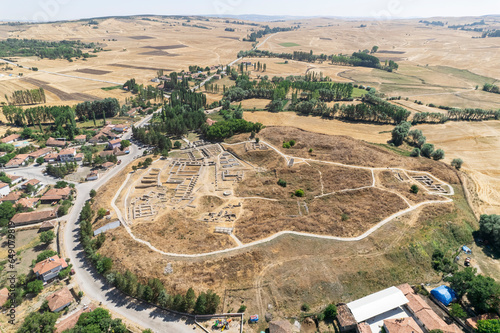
point(360, 131)
point(176, 232)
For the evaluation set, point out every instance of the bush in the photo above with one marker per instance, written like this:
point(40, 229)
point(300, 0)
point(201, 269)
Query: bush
point(299, 193)
point(47, 236)
point(457, 163)
point(330, 312)
point(34, 287)
point(286, 145)
point(292, 143)
point(457, 311)
point(40, 160)
point(427, 150)
point(414, 189)
point(44, 255)
point(415, 152)
point(177, 144)
point(242, 309)
point(305, 307)
point(93, 193)
point(438, 155)
point(101, 212)
point(282, 183)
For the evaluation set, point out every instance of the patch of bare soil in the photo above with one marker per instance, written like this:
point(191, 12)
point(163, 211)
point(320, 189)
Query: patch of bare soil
point(139, 67)
point(165, 47)
point(177, 233)
point(141, 37)
point(346, 150)
point(62, 95)
point(346, 214)
point(92, 71)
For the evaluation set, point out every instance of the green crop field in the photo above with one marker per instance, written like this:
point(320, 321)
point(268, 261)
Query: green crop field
point(289, 44)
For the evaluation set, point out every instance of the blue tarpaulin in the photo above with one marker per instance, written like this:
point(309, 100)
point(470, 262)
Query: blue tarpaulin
point(444, 294)
point(466, 249)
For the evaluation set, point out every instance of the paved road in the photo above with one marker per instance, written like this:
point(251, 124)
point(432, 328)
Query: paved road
point(89, 281)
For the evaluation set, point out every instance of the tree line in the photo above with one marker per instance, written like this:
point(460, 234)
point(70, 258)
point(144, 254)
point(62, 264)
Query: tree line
point(26, 97)
point(105, 108)
point(13, 47)
point(362, 59)
point(225, 129)
point(252, 37)
point(151, 290)
point(491, 88)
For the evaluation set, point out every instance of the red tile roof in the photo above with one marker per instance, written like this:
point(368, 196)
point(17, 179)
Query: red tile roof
point(59, 299)
point(12, 196)
point(404, 325)
point(49, 264)
point(2, 185)
point(33, 217)
point(54, 142)
point(70, 321)
point(57, 194)
point(10, 138)
point(27, 202)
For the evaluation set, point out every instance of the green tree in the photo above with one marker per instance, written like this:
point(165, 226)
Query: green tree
point(457, 311)
point(416, 138)
point(281, 182)
point(438, 154)
point(489, 228)
point(45, 254)
point(104, 265)
point(47, 236)
point(484, 293)
point(299, 193)
point(330, 312)
point(488, 326)
point(461, 281)
point(34, 287)
point(177, 144)
point(400, 132)
point(125, 143)
point(37, 322)
point(101, 212)
point(457, 163)
point(427, 150)
point(414, 189)
point(415, 152)
point(40, 160)
point(93, 193)
point(201, 304)
point(190, 299)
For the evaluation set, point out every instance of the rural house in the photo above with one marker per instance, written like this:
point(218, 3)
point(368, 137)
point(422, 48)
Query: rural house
point(33, 217)
point(55, 143)
point(112, 144)
point(94, 175)
point(11, 197)
point(69, 322)
point(28, 203)
point(51, 158)
point(40, 153)
point(49, 268)
point(67, 155)
point(81, 138)
point(60, 300)
point(14, 179)
point(56, 194)
point(10, 139)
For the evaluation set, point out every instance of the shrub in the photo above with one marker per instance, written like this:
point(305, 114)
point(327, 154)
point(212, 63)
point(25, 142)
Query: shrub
point(177, 144)
point(438, 154)
point(457, 311)
point(414, 189)
point(292, 143)
point(286, 145)
point(457, 163)
point(427, 150)
point(299, 193)
point(344, 217)
point(282, 183)
point(415, 152)
point(330, 312)
point(101, 212)
point(305, 307)
point(34, 287)
point(47, 236)
point(242, 309)
point(93, 193)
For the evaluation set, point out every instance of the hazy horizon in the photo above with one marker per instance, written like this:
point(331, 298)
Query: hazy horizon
point(59, 10)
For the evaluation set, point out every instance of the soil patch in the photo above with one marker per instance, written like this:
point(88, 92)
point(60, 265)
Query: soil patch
point(165, 47)
point(139, 67)
point(92, 71)
point(141, 37)
point(62, 95)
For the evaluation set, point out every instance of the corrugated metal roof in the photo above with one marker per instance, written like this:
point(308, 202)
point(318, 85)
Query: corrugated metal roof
point(377, 303)
point(109, 226)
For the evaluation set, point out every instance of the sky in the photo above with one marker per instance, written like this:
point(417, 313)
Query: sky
point(53, 10)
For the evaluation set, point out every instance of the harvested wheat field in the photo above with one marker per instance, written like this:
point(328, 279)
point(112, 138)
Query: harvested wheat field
point(367, 132)
point(478, 144)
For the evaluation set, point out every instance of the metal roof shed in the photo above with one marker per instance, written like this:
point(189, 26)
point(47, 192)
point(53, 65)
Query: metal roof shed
point(109, 226)
point(377, 303)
